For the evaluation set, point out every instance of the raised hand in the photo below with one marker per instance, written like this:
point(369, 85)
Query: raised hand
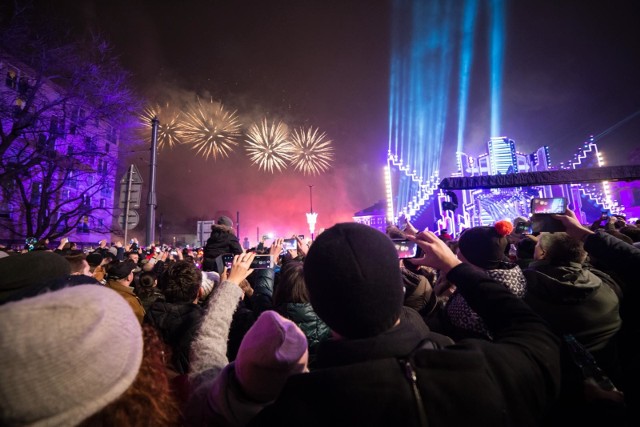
point(240, 268)
point(436, 252)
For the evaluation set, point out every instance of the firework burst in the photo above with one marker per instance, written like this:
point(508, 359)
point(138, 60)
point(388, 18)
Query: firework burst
point(168, 126)
point(268, 146)
point(312, 152)
point(211, 130)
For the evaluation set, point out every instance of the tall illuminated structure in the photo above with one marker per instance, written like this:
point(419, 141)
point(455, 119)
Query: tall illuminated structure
point(432, 51)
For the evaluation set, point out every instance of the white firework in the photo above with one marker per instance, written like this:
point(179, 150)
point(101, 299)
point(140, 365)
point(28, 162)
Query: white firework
point(268, 146)
point(312, 152)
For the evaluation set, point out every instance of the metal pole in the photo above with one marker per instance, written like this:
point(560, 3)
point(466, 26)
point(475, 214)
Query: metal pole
point(127, 202)
point(238, 224)
point(151, 199)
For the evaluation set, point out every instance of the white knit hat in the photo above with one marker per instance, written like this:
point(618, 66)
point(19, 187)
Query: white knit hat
point(66, 355)
point(209, 281)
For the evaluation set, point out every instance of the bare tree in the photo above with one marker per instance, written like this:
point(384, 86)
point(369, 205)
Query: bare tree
point(64, 104)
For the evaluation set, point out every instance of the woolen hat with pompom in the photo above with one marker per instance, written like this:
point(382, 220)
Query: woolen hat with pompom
point(353, 276)
point(485, 246)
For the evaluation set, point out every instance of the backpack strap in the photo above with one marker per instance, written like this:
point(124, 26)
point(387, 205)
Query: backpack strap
point(409, 371)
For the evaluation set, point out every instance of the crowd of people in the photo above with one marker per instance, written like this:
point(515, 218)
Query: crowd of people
point(492, 327)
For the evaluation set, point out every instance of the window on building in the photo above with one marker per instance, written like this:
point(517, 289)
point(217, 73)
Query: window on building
point(106, 148)
point(11, 81)
point(5, 209)
point(36, 192)
point(72, 180)
point(103, 203)
point(90, 143)
point(112, 134)
point(83, 225)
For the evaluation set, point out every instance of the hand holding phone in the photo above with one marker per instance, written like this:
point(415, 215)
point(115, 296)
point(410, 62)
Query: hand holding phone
point(542, 210)
point(406, 248)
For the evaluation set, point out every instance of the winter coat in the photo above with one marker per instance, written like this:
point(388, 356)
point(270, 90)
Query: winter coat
point(314, 328)
point(178, 324)
point(460, 321)
point(222, 241)
point(574, 301)
point(622, 262)
point(508, 382)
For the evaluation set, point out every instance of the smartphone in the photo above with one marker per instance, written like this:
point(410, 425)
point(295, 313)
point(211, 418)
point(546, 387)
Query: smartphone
point(406, 248)
point(402, 222)
point(549, 205)
point(260, 262)
point(523, 227)
point(289, 244)
point(604, 216)
point(542, 209)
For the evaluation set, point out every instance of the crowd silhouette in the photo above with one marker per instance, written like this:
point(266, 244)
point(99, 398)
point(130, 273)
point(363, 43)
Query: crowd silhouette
point(495, 326)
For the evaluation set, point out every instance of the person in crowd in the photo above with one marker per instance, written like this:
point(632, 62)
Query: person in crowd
point(484, 247)
point(273, 349)
point(78, 262)
point(223, 240)
point(209, 346)
point(119, 278)
point(575, 301)
point(619, 260)
point(291, 300)
point(525, 248)
point(367, 375)
point(78, 357)
point(96, 263)
point(632, 232)
point(28, 274)
point(177, 317)
point(570, 296)
point(147, 290)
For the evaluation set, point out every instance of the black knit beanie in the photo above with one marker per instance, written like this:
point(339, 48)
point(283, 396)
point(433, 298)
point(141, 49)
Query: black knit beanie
point(353, 275)
point(484, 246)
point(22, 271)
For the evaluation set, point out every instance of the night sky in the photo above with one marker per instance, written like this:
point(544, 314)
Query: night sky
point(572, 69)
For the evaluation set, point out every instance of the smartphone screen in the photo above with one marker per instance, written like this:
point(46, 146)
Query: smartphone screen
point(289, 244)
point(260, 262)
point(406, 248)
point(550, 205)
point(523, 227)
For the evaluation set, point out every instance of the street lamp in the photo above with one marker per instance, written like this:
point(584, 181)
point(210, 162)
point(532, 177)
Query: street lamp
point(311, 216)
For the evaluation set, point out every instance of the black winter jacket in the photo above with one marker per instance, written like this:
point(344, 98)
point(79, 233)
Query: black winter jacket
point(221, 241)
point(509, 382)
point(178, 324)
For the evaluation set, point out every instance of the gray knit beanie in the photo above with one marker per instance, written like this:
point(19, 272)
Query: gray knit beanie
point(66, 355)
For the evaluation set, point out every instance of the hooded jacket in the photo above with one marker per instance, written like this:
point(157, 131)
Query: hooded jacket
point(574, 301)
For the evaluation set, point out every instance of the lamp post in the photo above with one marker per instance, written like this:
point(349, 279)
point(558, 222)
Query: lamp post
point(151, 199)
point(311, 216)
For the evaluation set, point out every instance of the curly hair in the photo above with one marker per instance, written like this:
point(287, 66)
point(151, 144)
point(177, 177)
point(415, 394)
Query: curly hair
point(180, 282)
point(149, 401)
